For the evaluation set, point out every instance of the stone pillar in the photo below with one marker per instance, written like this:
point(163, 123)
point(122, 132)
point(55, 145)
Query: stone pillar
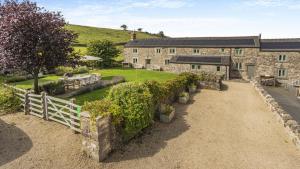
point(98, 137)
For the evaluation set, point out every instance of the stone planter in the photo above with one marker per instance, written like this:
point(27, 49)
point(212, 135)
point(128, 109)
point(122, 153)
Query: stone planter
point(183, 99)
point(192, 89)
point(167, 118)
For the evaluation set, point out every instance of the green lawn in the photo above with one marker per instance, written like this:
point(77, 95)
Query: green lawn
point(29, 83)
point(107, 74)
point(138, 75)
point(129, 74)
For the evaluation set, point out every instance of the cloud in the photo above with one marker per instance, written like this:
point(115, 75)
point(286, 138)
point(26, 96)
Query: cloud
point(291, 4)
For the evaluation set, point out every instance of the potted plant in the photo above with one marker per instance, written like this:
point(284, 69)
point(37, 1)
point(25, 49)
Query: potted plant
point(184, 97)
point(192, 88)
point(168, 114)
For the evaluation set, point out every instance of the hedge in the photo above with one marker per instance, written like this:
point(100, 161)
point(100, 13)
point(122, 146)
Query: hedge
point(136, 107)
point(9, 103)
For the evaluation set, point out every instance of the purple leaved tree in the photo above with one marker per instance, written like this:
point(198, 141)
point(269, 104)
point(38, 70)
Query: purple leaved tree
point(32, 38)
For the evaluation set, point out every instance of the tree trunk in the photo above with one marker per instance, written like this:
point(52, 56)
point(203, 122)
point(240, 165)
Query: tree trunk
point(36, 83)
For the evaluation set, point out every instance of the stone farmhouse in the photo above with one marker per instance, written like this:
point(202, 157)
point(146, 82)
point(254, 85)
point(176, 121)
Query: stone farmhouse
point(234, 57)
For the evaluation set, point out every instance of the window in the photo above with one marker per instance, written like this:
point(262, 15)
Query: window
point(282, 72)
point(282, 58)
point(134, 50)
point(158, 50)
point(134, 60)
point(238, 66)
point(222, 50)
point(238, 51)
point(218, 68)
point(167, 62)
point(196, 51)
point(172, 51)
point(196, 67)
point(148, 61)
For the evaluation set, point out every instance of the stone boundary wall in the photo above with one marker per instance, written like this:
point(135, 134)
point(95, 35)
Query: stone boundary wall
point(291, 126)
point(98, 85)
point(211, 85)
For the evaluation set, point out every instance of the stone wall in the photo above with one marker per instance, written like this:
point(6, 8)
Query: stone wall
point(291, 126)
point(248, 56)
point(268, 64)
point(99, 138)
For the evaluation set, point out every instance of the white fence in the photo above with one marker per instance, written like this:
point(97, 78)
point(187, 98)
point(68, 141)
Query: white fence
point(50, 108)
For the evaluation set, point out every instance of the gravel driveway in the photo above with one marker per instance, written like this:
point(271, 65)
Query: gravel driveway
point(219, 130)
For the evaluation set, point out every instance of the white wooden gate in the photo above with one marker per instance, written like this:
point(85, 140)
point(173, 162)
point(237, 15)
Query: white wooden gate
point(50, 108)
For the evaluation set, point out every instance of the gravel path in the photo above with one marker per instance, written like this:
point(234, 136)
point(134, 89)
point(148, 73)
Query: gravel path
point(228, 129)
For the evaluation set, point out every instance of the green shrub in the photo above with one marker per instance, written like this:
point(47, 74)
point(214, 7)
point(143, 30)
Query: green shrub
point(156, 90)
point(14, 79)
point(168, 109)
point(9, 103)
point(184, 94)
point(61, 70)
point(137, 111)
point(103, 108)
point(81, 70)
point(54, 88)
point(190, 78)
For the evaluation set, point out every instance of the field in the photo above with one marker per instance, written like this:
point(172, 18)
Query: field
point(87, 34)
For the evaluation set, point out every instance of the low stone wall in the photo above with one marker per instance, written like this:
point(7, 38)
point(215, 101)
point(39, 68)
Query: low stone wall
point(211, 85)
point(98, 85)
point(291, 126)
point(99, 139)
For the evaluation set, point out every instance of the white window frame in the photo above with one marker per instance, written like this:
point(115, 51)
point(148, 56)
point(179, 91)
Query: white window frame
point(282, 73)
point(238, 51)
point(222, 50)
point(133, 51)
point(197, 67)
point(282, 58)
point(160, 50)
point(218, 67)
point(238, 65)
point(133, 60)
point(169, 51)
point(167, 61)
point(196, 51)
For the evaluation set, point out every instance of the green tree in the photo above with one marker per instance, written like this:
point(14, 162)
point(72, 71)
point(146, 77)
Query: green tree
point(105, 50)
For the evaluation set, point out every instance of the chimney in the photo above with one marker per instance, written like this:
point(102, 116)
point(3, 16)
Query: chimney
point(133, 35)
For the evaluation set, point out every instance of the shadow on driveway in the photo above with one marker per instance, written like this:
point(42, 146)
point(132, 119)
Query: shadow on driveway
point(13, 142)
point(155, 138)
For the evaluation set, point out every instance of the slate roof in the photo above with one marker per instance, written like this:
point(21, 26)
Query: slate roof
point(280, 45)
point(209, 42)
point(202, 60)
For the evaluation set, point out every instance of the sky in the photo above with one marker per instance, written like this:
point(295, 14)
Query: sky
point(186, 18)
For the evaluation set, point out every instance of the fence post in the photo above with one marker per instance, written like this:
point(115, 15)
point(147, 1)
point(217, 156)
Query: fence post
point(72, 120)
point(26, 103)
point(45, 105)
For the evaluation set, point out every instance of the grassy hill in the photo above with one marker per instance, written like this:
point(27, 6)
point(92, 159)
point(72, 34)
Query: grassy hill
point(87, 34)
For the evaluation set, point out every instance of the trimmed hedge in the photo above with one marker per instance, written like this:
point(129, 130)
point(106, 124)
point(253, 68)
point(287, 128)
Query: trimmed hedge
point(53, 88)
point(9, 103)
point(103, 108)
point(136, 107)
point(61, 70)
